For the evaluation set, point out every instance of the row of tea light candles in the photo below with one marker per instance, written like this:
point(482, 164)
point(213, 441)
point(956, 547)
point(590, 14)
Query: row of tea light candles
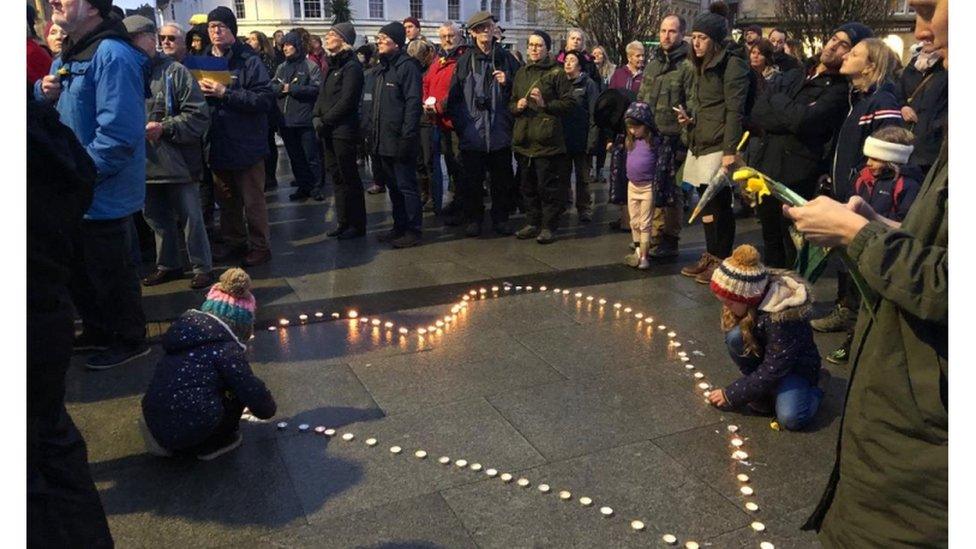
point(441, 325)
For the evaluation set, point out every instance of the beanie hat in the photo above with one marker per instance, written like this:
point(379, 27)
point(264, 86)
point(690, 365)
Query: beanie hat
point(231, 301)
point(103, 6)
point(225, 16)
point(887, 151)
point(753, 28)
point(640, 112)
point(855, 31)
point(346, 31)
point(134, 24)
point(741, 277)
point(712, 25)
point(545, 37)
point(396, 32)
point(413, 20)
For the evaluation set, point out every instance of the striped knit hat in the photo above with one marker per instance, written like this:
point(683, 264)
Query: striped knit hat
point(741, 277)
point(231, 300)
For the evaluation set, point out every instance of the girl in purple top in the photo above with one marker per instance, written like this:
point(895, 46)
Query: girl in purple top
point(642, 145)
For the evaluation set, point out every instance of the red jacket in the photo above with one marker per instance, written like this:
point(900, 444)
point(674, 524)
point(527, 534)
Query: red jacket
point(437, 84)
point(38, 62)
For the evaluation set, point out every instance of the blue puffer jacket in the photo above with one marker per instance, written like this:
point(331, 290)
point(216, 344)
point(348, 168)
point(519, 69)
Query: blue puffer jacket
point(103, 93)
point(204, 361)
point(239, 120)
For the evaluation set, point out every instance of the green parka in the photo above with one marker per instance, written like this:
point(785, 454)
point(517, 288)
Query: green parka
point(539, 132)
point(717, 102)
point(667, 80)
point(889, 487)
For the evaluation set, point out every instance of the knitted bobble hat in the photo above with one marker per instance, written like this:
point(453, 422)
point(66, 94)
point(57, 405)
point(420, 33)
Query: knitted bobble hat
point(231, 301)
point(741, 277)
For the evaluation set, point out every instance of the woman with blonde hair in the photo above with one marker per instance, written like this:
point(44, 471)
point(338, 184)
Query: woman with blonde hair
point(604, 66)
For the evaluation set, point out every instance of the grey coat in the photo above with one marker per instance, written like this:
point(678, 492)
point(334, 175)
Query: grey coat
point(177, 102)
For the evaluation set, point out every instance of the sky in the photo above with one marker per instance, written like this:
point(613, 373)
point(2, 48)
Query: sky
point(132, 4)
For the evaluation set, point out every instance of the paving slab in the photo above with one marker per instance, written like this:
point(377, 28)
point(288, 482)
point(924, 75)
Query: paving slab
point(638, 481)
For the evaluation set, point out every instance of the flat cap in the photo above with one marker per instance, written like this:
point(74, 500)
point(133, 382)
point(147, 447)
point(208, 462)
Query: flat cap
point(134, 24)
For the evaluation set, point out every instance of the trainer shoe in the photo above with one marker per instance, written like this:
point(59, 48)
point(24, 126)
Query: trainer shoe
point(545, 237)
point(406, 240)
point(117, 356)
point(527, 232)
point(472, 230)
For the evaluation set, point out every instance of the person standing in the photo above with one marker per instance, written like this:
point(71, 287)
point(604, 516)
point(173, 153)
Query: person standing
point(54, 39)
point(437, 85)
point(630, 76)
point(102, 100)
point(296, 84)
point(38, 60)
point(395, 131)
point(923, 91)
point(576, 41)
point(316, 53)
point(665, 86)
point(238, 142)
point(797, 117)
point(198, 40)
point(780, 59)
point(63, 506)
point(172, 41)
point(423, 52)
point(480, 91)
point(268, 54)
point(719, 88)
point(336, 121)
point(541, 97)
point(177, 117)
point(411, 28)
point(890, 482)
point(580, 133)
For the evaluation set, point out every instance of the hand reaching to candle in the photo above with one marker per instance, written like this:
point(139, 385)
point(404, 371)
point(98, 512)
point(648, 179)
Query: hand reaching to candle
point(717, 398)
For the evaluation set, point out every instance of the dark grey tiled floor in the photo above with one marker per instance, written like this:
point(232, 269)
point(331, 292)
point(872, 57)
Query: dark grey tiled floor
point(580, 397)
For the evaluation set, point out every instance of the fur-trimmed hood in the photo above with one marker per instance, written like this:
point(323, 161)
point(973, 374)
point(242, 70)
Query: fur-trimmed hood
point(788, 297)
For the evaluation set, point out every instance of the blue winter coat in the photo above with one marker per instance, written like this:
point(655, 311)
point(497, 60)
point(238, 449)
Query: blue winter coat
point(239, 121)
point(396, 107)
point(204, 361)
point(869, 112)
point(304, 78)
point(103, 93)
point(477, 104)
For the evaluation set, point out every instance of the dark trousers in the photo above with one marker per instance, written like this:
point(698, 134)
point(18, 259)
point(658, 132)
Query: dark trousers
point(580, 165)
point(401, 181)
point(475, 164)
point(63, 507)
point(452, 158)
point(425, 162)
point(303, 154)
point(222, 434)
point(779, 249)
point(545, 190)
point(271, 161)
point(340, 161)
point(718, 220)
point(105, 282)
point(243, 210)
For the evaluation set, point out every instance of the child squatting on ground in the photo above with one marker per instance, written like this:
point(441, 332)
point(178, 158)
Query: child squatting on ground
point(765, 317)
point(201, 386)
point(887, 183)
point(648, 178)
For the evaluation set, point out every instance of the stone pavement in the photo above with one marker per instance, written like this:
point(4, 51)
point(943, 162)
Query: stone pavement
point(539, 385)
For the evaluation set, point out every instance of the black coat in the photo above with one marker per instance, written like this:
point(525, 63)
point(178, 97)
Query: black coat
point(238, 135)
point(304, 78)
point(931, 104)
point(204, 364)
point(336, 112)
point(799, 117)
point(396, 108)
point(869, 112)
point(577, 125)
point(60, 182)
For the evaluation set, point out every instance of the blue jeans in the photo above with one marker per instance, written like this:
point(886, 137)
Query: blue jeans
point(797, 401)
point(173, 212)
point(304, 156)
point(401, 181)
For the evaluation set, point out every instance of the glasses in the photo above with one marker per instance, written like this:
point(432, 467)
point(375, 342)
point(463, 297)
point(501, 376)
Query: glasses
point(536, 46)
point(167, 38)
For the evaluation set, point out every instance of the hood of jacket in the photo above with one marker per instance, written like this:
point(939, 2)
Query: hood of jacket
point(676, 55)
point(296, 41)
point(83, 50)
point(543, 64)
point(788, 297)
point(196, 328)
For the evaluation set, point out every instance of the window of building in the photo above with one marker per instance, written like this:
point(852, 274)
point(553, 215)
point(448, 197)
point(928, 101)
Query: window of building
point(484, 5)
point(531, 11)
point(376, 9)
point(417, 9)
point(453, 9)
point(312, 9)
point(496, 9)
point(508, 10)
point(239, 9)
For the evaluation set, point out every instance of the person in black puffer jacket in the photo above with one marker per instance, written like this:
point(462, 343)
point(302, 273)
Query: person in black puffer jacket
point(579, 131)
point(336, 120)
point(296, 84)
point(765, 318)
point(201, 386)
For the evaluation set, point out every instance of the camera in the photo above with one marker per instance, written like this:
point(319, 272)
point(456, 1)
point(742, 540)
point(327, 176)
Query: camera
point(482, 103)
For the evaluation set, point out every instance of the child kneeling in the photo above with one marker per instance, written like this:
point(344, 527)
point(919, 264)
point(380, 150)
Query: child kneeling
point(765, 318)
point(201, 386)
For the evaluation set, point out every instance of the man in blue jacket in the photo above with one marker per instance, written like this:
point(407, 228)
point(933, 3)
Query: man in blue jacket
point(99, 86)
point(239, 142)
point(395, 132)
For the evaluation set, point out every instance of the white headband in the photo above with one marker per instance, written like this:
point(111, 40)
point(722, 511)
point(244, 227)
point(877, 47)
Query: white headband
point(889, 152)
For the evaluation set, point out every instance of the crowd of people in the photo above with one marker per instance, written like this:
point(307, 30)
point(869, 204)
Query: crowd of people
point(128, 118)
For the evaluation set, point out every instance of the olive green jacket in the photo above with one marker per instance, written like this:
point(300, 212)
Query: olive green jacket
point(667, 80)
point(890, 482)
point(539, 132)
point(717, 101)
